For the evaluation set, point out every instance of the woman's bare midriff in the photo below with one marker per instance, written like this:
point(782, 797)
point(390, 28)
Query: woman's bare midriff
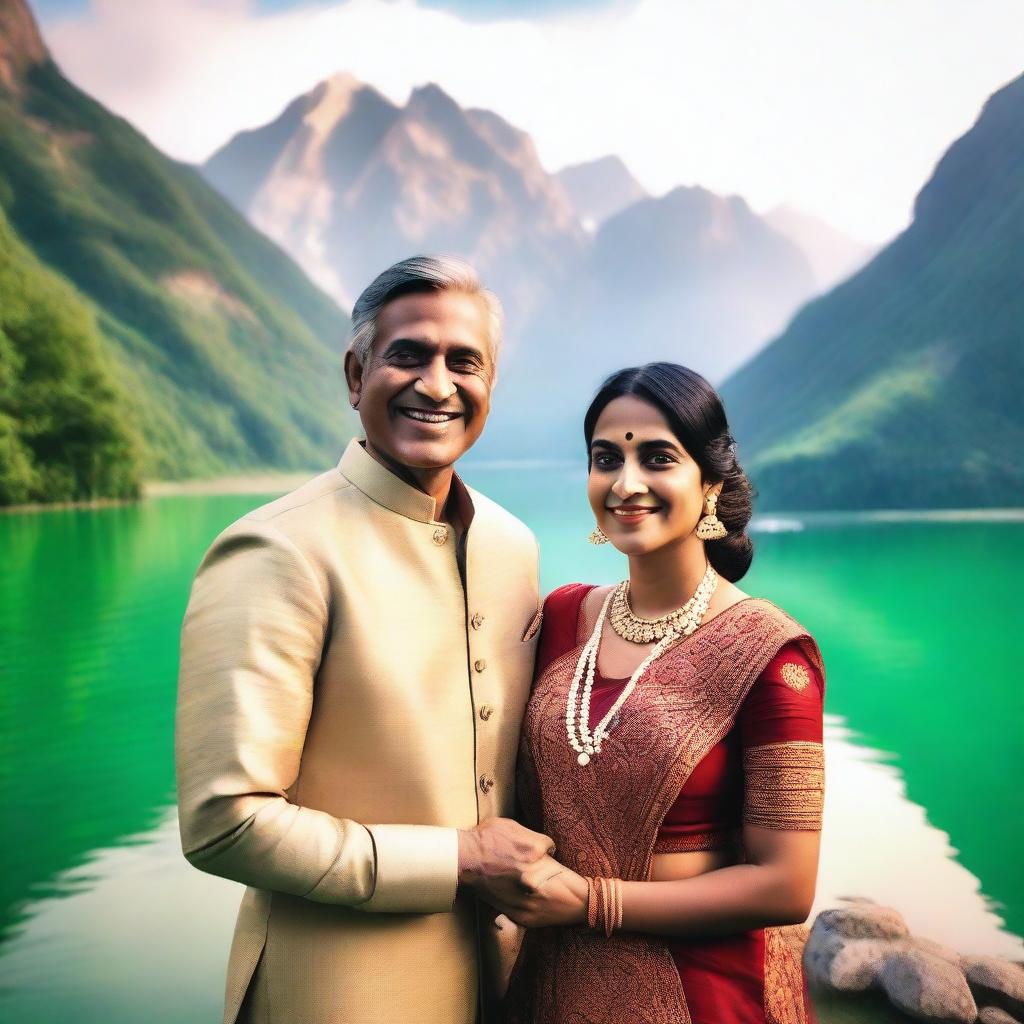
point(670, 867)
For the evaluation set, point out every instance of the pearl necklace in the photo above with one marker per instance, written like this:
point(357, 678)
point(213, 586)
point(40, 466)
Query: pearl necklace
point(577, 718)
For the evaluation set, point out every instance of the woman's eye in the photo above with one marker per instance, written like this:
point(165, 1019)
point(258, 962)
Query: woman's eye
point(605, 461)
point(660, 459)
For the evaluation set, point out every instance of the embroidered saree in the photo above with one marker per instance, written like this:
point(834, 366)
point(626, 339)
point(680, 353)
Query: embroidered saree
point(724, 728)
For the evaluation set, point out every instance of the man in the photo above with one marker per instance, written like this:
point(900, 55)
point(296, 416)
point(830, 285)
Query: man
point(356, 658)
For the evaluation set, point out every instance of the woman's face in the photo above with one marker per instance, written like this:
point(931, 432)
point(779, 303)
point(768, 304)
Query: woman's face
point(644, 487)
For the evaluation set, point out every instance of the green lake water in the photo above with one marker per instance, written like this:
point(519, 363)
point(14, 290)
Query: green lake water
point(102, 920)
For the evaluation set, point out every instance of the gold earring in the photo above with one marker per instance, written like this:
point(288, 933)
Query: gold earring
point(711, 527)
point(597, 536)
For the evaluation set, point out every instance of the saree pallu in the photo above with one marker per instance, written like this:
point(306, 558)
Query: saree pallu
point(604, 819)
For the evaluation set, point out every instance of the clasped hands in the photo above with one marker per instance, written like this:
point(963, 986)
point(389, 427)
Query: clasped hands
point(511, 868)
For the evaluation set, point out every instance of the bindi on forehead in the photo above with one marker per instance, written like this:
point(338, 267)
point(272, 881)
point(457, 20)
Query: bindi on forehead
point(629, 435)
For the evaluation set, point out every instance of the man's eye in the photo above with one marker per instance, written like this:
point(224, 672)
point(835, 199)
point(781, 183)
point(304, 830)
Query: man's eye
point(466, 365)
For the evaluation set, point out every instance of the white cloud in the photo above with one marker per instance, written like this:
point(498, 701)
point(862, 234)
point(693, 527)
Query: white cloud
point(840, 108)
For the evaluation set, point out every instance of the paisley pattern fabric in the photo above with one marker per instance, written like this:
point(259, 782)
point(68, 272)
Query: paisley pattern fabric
point(604, 816)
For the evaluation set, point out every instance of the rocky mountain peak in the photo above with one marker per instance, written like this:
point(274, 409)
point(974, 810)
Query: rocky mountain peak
point(432, 104)
point(599, 189)
point(333, 100)
point(21, 45)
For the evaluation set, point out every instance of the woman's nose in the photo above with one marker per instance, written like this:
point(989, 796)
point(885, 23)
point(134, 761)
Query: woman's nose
point(628, 483)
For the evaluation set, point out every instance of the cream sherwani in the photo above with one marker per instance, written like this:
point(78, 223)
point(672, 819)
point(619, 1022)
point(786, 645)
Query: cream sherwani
point(345, 704)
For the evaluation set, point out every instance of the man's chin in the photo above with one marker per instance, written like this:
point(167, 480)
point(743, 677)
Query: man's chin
point(427, 455)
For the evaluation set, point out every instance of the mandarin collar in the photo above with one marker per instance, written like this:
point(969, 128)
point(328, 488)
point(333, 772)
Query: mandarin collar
point(379, 484)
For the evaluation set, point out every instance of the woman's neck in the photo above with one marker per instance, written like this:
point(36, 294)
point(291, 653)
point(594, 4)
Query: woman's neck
point(667, 578)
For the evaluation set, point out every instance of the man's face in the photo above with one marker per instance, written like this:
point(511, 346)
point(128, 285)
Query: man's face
point(425, 393)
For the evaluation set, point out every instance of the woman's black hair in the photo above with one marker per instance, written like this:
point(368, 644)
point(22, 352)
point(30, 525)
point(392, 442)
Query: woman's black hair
point(696, 415)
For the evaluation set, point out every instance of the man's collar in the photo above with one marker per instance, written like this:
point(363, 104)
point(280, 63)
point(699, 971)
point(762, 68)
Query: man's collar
point(379, 484)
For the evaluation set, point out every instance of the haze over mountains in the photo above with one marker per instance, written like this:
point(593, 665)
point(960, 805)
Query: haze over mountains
point(145, 328)
point(348, 182)
point(885, 391)
point(598, 189)
point(832, 255)
point(902, 387)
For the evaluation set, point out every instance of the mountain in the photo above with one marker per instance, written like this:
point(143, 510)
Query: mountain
point(695, 276)
point(598, 189)
point(901, 387)
point(218, 352)
point(348, 182)
point(21, 45)
point(832, 255)
point(691, 277)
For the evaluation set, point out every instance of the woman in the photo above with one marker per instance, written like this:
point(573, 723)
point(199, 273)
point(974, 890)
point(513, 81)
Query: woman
point(672, 744)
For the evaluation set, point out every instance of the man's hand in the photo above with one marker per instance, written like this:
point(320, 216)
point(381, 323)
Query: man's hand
point(551, 894)
point(495, 859)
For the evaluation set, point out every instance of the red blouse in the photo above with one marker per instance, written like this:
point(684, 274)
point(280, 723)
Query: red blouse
point(784, 705)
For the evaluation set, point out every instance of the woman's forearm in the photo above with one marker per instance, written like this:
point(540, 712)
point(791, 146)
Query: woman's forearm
point(721, 902)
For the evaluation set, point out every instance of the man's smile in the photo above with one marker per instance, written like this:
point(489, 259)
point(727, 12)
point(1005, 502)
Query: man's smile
point(429, 415)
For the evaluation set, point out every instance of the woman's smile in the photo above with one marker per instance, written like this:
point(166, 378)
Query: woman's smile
point(633, 513)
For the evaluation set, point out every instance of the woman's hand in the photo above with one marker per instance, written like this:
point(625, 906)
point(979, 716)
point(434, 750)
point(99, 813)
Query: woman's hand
point(550, 894)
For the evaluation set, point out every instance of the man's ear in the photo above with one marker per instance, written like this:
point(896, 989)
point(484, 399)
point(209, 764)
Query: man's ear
point(354, 378)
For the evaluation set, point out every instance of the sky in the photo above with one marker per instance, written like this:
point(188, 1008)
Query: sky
point(838, 108)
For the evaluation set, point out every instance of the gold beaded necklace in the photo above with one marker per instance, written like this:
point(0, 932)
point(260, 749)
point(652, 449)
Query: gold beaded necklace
point(682, 621)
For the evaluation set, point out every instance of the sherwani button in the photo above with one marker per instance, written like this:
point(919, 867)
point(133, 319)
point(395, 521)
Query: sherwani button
point(477, 621)
point(479, 664)
point(486, 711)
point(440, 536)
point(486, 783)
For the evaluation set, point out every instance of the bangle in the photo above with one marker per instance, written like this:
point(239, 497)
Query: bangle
point(613, 908)
point(591, 903)
point(604, 904)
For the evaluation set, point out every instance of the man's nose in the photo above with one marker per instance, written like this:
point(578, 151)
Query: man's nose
point(628, 482)
point(435, 382)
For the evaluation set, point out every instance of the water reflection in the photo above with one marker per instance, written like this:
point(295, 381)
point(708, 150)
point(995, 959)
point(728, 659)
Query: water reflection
point(879, 844)
point(142, 906)
point(89, 607)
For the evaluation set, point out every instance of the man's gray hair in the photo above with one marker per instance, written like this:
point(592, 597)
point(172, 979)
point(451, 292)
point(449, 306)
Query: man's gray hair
point(419, 274)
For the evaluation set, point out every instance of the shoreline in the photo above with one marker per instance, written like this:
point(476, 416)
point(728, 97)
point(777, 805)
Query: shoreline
point(244, 483)
point(768, 521)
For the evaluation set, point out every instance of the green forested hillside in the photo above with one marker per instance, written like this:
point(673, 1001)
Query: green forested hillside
point(226, 355)
point(901, 387)
point(63, 430)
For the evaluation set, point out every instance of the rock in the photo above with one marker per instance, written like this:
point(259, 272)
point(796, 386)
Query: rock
point(833, 961)
point(996, 982)
point(864, 920)
point(927, 987)
point(951, 956)
point(823, 945)
point(856, 966)
point(993, 1015)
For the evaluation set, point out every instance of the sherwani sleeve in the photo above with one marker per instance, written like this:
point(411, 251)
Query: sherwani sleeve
point(251, 644)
